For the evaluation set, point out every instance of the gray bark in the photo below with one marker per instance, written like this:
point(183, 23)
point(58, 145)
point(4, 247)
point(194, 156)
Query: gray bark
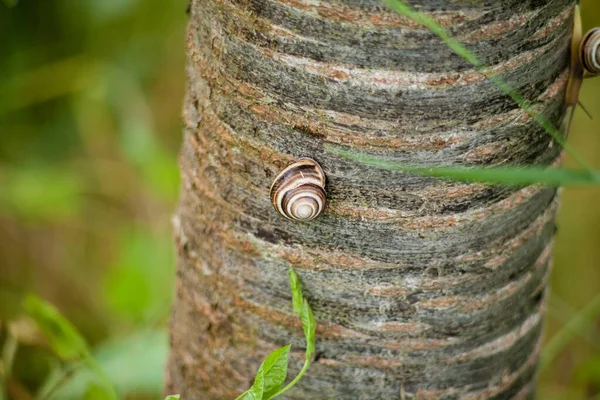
point(421, 288)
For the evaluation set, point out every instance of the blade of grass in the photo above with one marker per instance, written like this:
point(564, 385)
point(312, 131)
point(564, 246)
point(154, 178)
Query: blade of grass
point(50, 81)
point(58, 376)
point(563, 312)
point(8, 354)
point(581, 321)
point(516, 176)
point(403, 9)
point(63, 338)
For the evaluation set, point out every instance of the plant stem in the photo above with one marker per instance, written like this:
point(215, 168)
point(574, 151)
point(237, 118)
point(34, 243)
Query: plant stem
point(241, 395)
point(56, 379)
point(94, 366)
point(295, 380)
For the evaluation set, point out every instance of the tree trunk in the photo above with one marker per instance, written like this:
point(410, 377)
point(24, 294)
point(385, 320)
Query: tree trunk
point(421, 288)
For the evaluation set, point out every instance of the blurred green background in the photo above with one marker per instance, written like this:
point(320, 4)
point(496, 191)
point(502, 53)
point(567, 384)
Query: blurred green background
point(90, 99)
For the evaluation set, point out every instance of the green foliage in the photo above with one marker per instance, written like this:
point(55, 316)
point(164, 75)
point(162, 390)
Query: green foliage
point(588, 373)
point(133, 364)
point(96, 391)
point(108, 9)
point(62, 336)
point(257, 391)
point(64, 339)
point(518, 176)
point(579, 323)
point(309, 325)
point(137, 138)
point(172, 397)
point(38, 195)
point(297, 299)
point(273, 371)
point(134, 285)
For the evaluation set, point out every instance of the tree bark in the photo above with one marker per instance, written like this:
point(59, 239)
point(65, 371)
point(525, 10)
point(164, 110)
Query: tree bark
point(422, 288)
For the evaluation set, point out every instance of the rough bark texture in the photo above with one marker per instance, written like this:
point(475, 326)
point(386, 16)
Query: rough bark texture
point(421, 288)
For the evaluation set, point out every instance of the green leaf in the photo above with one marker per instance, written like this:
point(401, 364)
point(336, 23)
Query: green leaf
point(110, 9)
point(133, 363)
point(257, 390)
point(38, 193)
point(134, 286)
point(310, 326)
point(517, 176)
point(274, 370)
point(96, 391)
point(62, 336)
point(172, 397)
point(297, 299)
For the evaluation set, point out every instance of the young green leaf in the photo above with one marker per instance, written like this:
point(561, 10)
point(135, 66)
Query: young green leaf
point(62, 336)
point(310, 326)
point(296, 292)
point(257, 390)
point(274, 371)
point(172, 397)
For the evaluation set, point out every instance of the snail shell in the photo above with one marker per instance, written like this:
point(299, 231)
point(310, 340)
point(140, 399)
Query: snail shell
point(298, 192)
point(589, 51)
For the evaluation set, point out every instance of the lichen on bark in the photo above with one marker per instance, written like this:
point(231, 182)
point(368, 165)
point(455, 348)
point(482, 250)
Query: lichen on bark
point(422, 288)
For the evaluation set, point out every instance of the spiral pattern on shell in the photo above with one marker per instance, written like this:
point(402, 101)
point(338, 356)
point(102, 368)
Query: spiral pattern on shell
point(590, 51)
point(298, 192)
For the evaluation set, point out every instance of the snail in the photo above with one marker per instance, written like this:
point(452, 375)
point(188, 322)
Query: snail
point(589, 52)
point(585, 62)
point(298, 192)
